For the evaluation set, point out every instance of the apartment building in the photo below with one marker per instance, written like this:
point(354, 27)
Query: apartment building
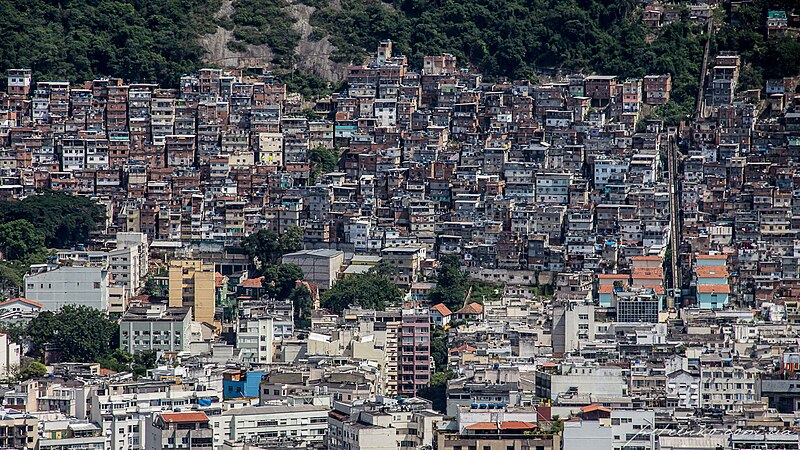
point(192, 283)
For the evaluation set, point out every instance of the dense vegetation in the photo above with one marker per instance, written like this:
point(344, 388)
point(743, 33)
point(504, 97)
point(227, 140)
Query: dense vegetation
point(78, 40)
point(764, 57)
point(63, 220)
point(371, 290)
point(323, 160)
point(28, 227)
point(265, 247)
point(258, 22)
point(517, 39)
point(78, 334)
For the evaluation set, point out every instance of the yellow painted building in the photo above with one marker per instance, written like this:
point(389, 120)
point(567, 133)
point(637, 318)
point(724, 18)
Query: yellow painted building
point(191, 283)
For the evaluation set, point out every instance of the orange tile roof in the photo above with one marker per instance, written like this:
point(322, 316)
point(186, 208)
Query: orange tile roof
point(482, 426)
point(594, 407)
point(647, 273)
point(516, 425)
point(252, 282)
point(613, 276)
point(442, 309)
point(711, 271)
point(472, 308)
point(218, 279)
point(463, 348)
point(183, 417)
point(658, 289)
point(645, 258)
point(606, 288)
point(712, 256)
point(21, 300)
point(713, 288)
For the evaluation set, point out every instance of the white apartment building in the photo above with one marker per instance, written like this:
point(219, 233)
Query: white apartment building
point(382, 424)
point(633, 429)
point(306, 422)
point(9, 356)
point(156, 328)
point(55, 287)
point(725, 385)
point(255, 339)
point(123, 416)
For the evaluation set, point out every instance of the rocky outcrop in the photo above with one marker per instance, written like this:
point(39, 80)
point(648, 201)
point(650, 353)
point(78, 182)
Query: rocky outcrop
point(312, 55)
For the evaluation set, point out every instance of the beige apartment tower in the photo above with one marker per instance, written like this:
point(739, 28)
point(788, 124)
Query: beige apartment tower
point(191, 283)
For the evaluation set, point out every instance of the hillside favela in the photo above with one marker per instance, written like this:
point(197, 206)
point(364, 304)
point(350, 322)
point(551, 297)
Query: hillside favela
point(400, 225)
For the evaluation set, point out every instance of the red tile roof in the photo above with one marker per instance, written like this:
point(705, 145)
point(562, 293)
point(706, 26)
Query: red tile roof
point(252, 282)
point(712, 256)
point(613, 276)
point(649, 273)
point(21, 300)
point(645, 258)
point(658, 289)
point(713, 288)
point(472, 308)
point(184, 417)
point(711, 271)
point(516, 425)
point(606, 289)
point(219, 279)
point(594, 407)
point(463, 348)
point(482, 426)
point(441, 309)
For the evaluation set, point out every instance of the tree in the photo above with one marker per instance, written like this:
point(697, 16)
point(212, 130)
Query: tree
point(301, 300)
point(367, 290)
point(266, 247)
point(436, 391)
point(323, 160)
point(121, 361)
point(16, 331)
point(20, 239)
point(281, 279)
point(439, 348)
point(291, 240)
point(63, 220)
point(30, 369)
point(82, 334)
point(451, 283)
point(151, 287)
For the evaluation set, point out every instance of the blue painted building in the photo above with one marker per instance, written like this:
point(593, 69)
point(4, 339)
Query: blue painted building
point(711, 276)
point(241, 384)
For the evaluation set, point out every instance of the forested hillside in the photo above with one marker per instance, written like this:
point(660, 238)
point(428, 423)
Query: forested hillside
point(139, 40)
point(143, 40)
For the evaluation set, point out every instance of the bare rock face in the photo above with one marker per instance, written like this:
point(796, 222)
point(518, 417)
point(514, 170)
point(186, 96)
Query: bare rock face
point(312, 55)
point(218, 53)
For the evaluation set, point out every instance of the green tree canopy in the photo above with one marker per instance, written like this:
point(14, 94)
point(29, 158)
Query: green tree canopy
point(79, 40)
point(19, 239)
point(323, 160)
point(266, 247)
point(63, 220)
point(451, 283)
point(281, 279)
point(30, 369)
point(368, 290)
point(82, 334)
